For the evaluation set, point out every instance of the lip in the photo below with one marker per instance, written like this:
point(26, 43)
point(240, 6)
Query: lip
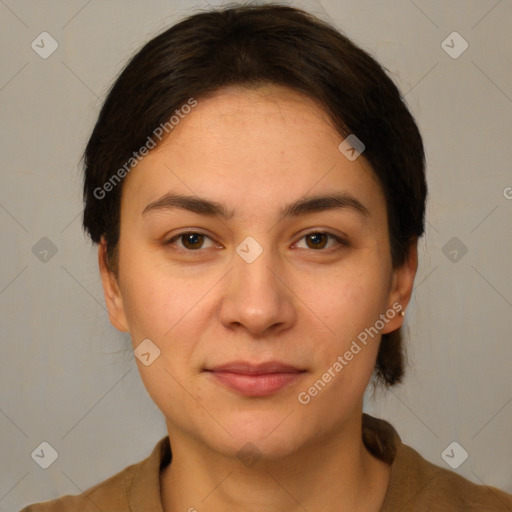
point(255, 379)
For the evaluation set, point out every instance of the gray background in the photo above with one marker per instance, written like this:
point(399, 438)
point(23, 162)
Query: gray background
point(66, 376)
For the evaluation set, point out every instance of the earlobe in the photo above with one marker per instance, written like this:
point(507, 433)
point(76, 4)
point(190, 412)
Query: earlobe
point(402, 286)
point(111, 291)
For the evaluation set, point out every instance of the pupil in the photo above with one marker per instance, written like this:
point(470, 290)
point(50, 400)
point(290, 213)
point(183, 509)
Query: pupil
point(315, 238)
point(192, 238)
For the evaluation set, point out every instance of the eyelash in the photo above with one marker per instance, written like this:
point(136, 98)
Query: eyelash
point(342, 242)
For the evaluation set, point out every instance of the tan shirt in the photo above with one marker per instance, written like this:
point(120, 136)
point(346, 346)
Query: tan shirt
point(415, 485)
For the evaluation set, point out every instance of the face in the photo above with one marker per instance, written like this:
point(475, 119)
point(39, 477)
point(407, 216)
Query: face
point(258, 305)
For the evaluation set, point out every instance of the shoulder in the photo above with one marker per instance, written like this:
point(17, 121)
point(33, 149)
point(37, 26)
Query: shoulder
point(136, 487)
point(103, 496)
point(419, 485)
point(107, 495)
point(442, 490)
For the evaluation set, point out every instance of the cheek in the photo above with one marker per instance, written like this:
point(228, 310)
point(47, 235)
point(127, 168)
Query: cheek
point(351, 299)
point(168, 307)
point(351, 302)
point(147, 306)
point(158, 309)
point(153, 302)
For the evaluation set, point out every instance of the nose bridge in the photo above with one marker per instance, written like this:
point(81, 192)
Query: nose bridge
point(253, 264)
point(256, 297)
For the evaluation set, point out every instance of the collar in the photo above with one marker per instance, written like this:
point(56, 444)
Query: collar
point(379, 436)
point(143, 491)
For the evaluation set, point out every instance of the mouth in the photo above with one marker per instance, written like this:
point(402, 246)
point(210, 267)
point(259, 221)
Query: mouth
point(255, 380)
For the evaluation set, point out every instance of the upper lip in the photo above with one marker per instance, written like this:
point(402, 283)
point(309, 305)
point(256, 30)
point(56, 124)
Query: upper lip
point(245, 368)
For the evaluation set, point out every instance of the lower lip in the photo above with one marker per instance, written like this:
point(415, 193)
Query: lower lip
point(256, 385)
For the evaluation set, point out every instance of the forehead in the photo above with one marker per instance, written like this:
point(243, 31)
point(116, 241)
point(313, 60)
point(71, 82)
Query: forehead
point(248, 116)
point(268, 143)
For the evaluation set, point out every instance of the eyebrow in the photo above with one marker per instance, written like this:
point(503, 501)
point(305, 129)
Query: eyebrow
point(302, 206)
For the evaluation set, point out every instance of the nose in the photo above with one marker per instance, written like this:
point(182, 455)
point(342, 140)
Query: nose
point(256, 296)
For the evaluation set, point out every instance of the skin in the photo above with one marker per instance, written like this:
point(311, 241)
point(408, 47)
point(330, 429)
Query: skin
point(255, 150)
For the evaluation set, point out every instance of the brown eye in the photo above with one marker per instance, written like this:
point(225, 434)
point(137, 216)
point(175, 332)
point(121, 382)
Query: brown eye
point(190, 240)
point(318, 240)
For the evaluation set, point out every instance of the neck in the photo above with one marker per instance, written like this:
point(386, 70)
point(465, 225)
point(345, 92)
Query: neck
point(334, 474)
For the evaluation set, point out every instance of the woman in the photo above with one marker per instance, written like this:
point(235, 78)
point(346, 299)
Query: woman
point(256, 187)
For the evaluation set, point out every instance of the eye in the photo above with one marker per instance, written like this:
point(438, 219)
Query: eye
point(191, 240)
point(318, 239)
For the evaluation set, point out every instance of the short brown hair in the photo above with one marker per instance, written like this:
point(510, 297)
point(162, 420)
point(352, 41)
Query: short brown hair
point(251, 45)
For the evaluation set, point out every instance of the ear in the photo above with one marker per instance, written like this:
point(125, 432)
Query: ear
point(111, 291)
point(401, 287)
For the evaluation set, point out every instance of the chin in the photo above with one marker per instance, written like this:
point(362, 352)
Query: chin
point(271, 434)
point(270, 449)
